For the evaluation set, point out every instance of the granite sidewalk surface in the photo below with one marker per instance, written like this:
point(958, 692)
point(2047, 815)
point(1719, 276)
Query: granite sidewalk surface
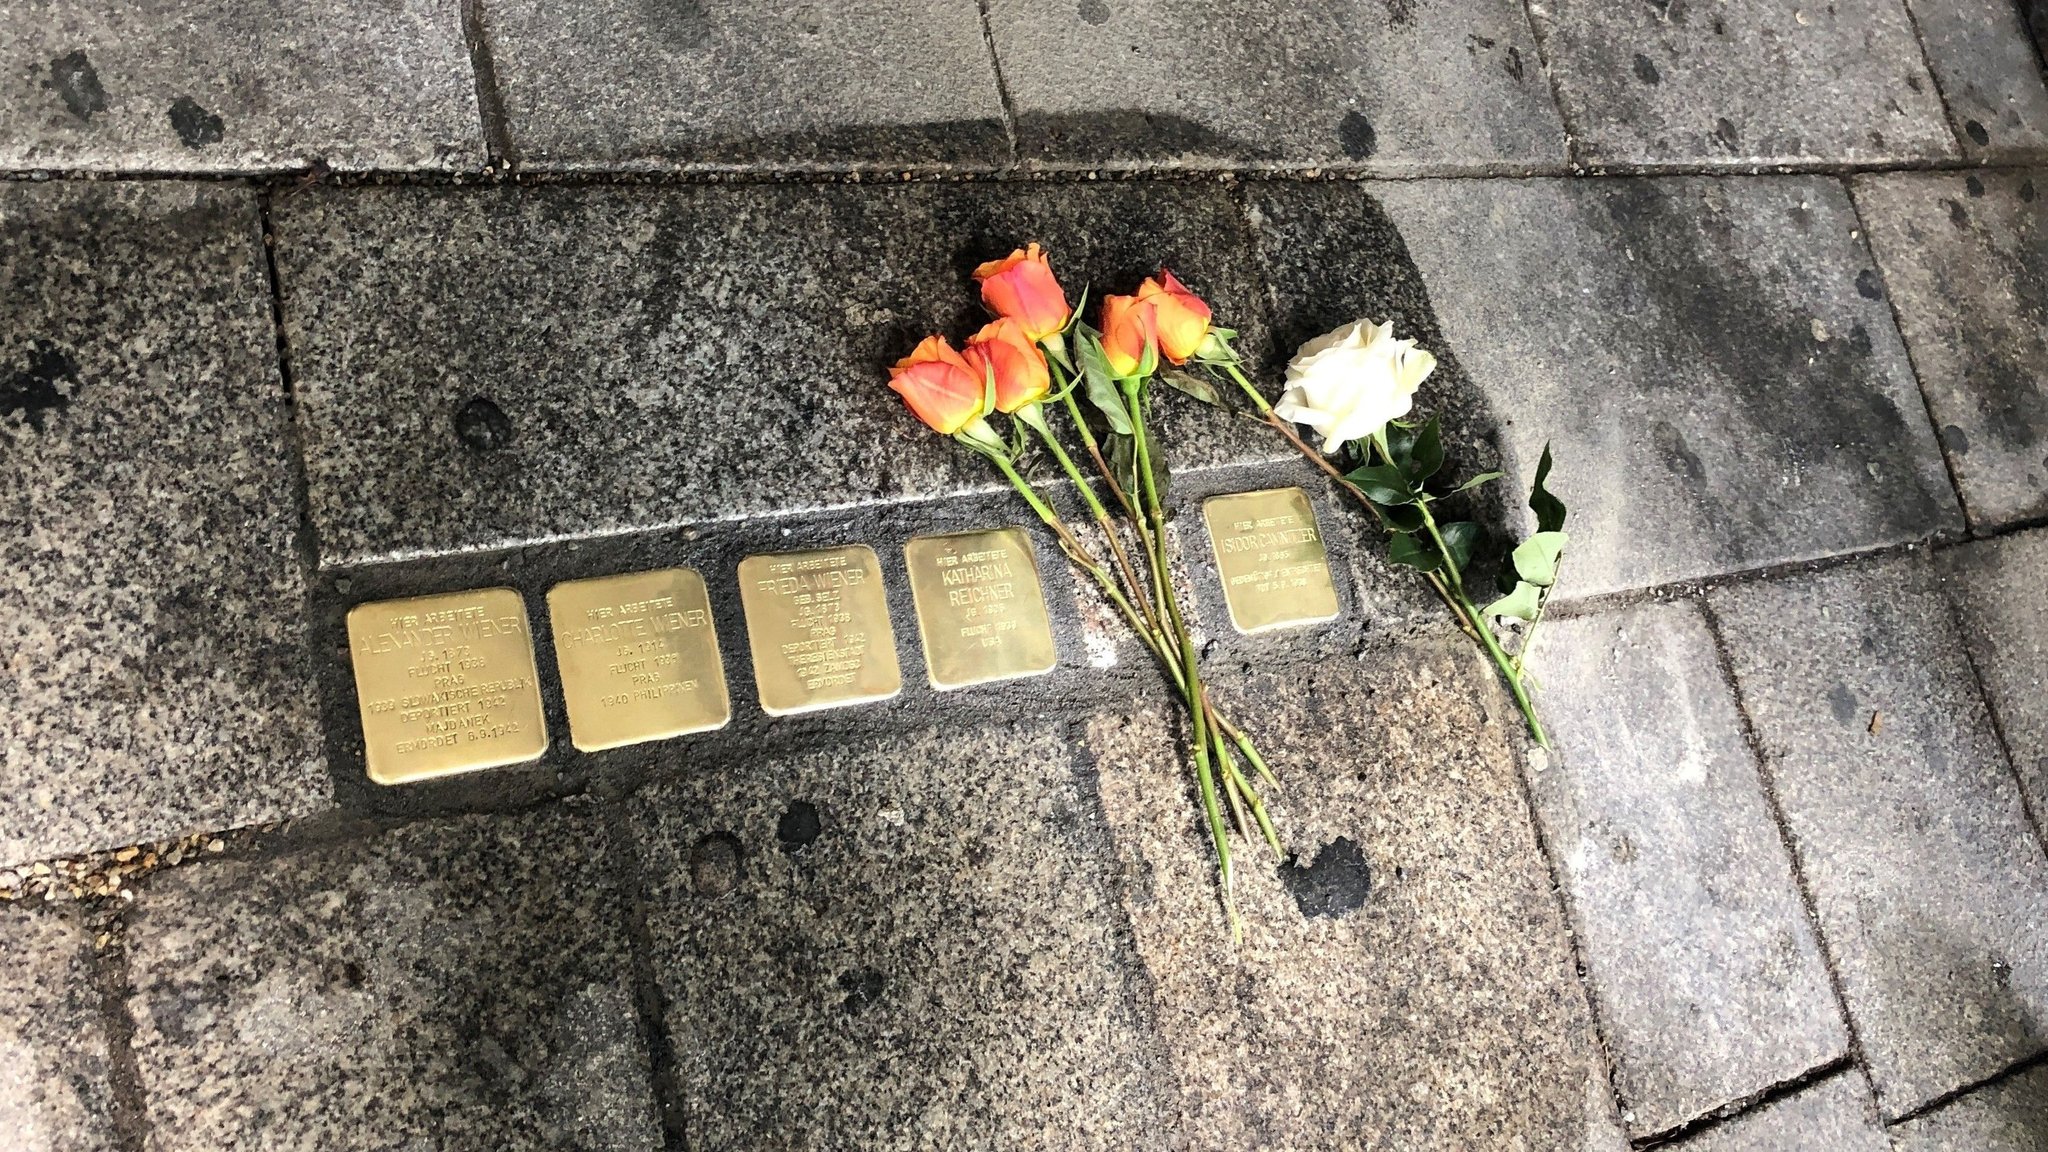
point(317, 308)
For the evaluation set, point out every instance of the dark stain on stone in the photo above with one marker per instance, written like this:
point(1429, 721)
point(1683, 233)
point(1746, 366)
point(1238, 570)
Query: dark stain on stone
point(1513, 63)
point(195, 125)
point(1957, 215)
point(47, 384)
point(863, 988)
point(1726, 132)
point(1956, 440)
point(1474, 40)
point(1646, 70)
point(1974, 187)
point(1975, 131)
point(715, 864)
point(1400, 12)
point(1338, 882)
point(1842, 702)
point(2026, 192)
point(1913, 82)
point(1672, 444)
point(1356, 134)
point(75, 83)
point(482, 425)
point(1094, 11)
point(799, 826)
point(1867, 285)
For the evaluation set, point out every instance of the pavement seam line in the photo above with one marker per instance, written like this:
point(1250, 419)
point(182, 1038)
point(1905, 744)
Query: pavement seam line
point(1891, 301)
point(671, 1108)
point(112, 981)
point(1948, 114)
point(1767, 781)
point(490, 100)
point(1540, 37)
point(995, 63)
point(1745, 1106)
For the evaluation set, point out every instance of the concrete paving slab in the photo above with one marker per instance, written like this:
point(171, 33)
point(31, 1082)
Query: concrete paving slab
point(1395, 87)
point(2006, 627)
point(2009, 1116)
point(913, 942)
point(1742, 82)
point(151, 595)
point(462, 984)
point(1965, 258)
point(864, 83)
point(54, 1058)
point(218, 86)
point(1406, 980)
point(1990, 75)
point(692, 353)
point(1708, 981)
point(1930, 884)
point(1721, 393)
point(1836, 1115)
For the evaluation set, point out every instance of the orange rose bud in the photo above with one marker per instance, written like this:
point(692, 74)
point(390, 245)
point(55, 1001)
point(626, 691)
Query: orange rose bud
point(1021, 286)
point(939, 386)
point(1128, 325)
point(1021, 374)
point(1182, 316)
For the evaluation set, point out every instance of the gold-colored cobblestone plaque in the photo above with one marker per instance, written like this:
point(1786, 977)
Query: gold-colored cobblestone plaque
point(1270, 556)
point(818, 628)
point(446, 684)
point(980, 611)
point(639, 658)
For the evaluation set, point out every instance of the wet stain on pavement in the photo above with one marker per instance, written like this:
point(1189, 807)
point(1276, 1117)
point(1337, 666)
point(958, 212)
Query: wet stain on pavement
point(46, 384)
point(195, 125)
point(73, 79)
point(1337, 882)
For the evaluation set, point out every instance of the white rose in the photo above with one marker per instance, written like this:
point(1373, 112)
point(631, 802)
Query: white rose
point(1348, 384)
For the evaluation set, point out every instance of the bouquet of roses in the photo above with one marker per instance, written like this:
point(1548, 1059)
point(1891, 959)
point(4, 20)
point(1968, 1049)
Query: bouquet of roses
point(1037, 360)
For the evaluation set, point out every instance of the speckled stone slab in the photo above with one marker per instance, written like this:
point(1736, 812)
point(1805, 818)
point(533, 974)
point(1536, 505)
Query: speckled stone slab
point(1965, 257)
point(688, 353)
point(1394, 86)
point(1929, 881)
point(858, 83)
point(1990, 74)
point(1720, 392)
point(221, 86)
point(1836, 1115)
point(54, 1095)
point(462, 984)
point(1742, 82)
point(1406, 978)
point(2009, 1116)
point(1709, 983)
point(908, 943)
point(151, 596)
point(2006, 627)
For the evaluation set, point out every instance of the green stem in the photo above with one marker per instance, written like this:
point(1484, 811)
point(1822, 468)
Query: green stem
point(1037, 423)
point(1204, 777)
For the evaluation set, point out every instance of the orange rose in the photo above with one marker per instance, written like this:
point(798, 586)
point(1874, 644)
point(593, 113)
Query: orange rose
point(1019, 367)
point(1129, 325)
point(1182, 316)
point(939, 386)
point(1021, 286)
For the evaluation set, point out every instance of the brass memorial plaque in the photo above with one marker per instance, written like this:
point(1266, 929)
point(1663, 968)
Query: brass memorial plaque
point(639, 658)
point(818, 627)
point(1271, 558)
point(980, 611)
point(446, 684)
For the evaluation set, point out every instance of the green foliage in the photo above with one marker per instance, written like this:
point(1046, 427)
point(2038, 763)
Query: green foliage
point(1100, 381)
point(1536, 558)
point(1414, 552)
point(1477, 481)
point(1461, 538)
point(1383, 484)
point(1522, 603)
point(1193, 386)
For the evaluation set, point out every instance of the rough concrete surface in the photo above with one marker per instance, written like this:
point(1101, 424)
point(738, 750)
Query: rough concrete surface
point(1928, 879)
point(151, 599)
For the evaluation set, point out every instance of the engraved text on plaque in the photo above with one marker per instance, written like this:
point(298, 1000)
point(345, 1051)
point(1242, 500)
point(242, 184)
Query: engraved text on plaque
point(639, 657)
point(980, 611)
point(818, 628)
point(446, 684)
point(1271, 559)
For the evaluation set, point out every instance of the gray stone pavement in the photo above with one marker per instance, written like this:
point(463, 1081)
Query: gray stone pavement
point(1781, 884)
